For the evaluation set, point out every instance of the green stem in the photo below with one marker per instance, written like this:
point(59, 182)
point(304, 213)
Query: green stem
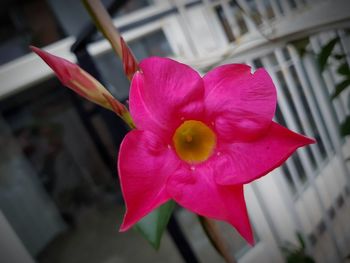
point(128, 120)
point(104, 23)
point(213, 232)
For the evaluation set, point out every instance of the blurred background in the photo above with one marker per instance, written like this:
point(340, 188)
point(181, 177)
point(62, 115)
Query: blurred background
point(60, 199)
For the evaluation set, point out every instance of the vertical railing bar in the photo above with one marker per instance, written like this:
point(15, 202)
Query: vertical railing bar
point(288, 200)
point(230, 18)
point(265, 211)
point(183, 21)
point(249, 23)
point(261, 8)
point(180, 240)
point(310, 100)
point(299, 187)
point(237, 14)
point(309, 171)
point(286, 7)
point(262, 12)
point(275, 8)
point(295, 178)
point(208, 13)
point(293, 89)
point(299, 190)
point(247, 16)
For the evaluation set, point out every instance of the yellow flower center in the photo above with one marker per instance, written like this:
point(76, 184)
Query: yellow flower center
point(194, 141)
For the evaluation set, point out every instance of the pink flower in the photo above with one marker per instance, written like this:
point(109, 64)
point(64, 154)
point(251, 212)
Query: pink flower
point(199, 140)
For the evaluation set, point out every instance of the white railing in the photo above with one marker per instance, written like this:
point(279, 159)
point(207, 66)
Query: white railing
point(306, 193)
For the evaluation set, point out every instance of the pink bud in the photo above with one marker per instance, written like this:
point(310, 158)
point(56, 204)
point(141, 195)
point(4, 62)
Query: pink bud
point(77, 79)
point(130, 64)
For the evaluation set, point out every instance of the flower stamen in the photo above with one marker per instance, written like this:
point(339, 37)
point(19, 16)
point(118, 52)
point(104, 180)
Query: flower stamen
point(194, 141)
point(189, 138)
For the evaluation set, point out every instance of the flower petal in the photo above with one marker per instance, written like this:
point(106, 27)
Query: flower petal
point(241, 163)
point(241, 103)
point(164, 92)
point(197, 191)
point(144, 166)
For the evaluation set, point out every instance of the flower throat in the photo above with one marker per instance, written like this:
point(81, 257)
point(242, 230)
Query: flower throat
point(194, 141)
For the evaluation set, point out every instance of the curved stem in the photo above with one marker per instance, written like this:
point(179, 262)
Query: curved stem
point(213, 232)
point(105, 24)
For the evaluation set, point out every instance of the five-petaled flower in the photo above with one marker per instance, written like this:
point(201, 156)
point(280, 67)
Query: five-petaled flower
point(199, 140)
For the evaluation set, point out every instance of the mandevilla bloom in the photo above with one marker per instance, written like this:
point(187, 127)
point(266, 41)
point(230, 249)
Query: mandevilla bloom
point(199, 140)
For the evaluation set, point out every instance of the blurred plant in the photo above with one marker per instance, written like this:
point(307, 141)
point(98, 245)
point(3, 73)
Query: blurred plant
point(343, 69)
point(297, 254)
point(323, 56)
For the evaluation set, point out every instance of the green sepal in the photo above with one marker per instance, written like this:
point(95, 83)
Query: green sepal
point(154, 224)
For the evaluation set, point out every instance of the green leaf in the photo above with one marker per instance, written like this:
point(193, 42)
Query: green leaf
point(300, 45)
point(344, 69)
point(326, 52)
point(301, 240)
point(339, 56)
point(340, 87)
point(153, 225)
point(345, 127)
point(296, 254)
